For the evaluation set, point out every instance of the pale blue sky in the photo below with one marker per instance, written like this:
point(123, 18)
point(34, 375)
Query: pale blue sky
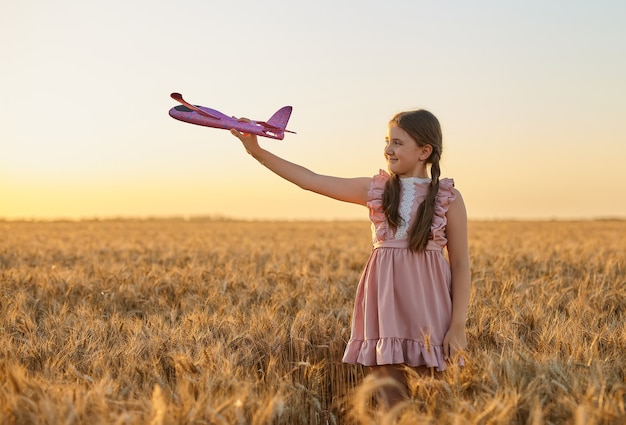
point(531, 96)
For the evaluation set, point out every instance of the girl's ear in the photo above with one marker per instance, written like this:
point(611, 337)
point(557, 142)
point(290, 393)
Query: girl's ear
point(425, 152)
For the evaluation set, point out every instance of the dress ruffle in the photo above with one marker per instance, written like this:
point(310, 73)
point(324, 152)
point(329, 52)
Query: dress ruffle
point(445, 196)
point(375, 205)
point(395, 351)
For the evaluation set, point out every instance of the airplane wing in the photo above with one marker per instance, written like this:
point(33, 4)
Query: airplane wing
point(179, 97)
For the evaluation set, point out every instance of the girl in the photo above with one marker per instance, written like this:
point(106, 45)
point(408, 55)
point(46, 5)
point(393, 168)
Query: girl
point(411, 302)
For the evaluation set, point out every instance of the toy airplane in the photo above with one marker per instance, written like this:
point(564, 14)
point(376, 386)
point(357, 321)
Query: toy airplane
point(274, 128)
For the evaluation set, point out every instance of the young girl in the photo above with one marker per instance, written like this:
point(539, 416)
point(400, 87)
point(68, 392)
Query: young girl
point(411, 302)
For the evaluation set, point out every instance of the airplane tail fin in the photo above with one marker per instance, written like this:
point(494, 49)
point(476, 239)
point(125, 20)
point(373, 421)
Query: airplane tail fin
point(280, 118)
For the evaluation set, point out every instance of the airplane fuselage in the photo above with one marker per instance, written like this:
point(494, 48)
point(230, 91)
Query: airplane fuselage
point(216, 119)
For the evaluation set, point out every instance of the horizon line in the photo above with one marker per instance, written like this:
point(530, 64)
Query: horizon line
point(223, 218)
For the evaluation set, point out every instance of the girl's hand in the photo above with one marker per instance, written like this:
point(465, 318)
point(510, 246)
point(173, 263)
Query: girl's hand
point(454, 342)
point(249, 141)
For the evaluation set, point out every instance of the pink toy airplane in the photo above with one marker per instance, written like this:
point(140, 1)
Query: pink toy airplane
point(274, 128)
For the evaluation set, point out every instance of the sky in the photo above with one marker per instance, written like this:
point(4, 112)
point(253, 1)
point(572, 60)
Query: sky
point(531, 97)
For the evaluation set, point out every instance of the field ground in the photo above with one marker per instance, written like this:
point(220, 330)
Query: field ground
point(227, 322)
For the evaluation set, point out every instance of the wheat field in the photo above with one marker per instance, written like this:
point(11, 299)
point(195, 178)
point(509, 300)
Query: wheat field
point(233, 322)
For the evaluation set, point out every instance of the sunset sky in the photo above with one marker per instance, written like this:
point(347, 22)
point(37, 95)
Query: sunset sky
point(531, 96)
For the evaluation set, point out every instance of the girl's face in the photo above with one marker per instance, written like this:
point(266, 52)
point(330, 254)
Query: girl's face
point(404, 156)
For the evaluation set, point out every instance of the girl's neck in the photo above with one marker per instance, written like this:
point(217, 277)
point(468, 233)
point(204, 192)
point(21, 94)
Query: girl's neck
point(418, 174)
point(420, 171)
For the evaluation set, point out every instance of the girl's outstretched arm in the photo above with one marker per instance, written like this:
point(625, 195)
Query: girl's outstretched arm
point(352, 190)
point(458, 254)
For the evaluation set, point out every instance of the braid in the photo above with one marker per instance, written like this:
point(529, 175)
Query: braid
point(419, 234)
point(435, 170)
point(391, 202)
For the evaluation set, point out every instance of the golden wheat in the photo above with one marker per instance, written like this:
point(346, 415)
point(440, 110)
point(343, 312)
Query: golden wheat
point(228, 322)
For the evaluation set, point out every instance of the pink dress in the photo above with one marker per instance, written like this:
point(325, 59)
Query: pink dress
point(403, 301)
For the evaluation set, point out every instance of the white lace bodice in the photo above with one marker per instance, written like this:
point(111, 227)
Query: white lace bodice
point(406, 203)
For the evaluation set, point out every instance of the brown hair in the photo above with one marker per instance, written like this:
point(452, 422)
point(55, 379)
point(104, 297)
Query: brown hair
point(424, 128)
